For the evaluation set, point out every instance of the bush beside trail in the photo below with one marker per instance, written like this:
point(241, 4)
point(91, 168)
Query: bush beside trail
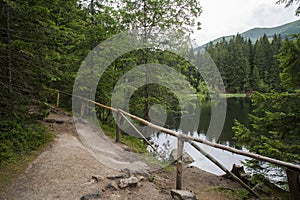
point(19, 139)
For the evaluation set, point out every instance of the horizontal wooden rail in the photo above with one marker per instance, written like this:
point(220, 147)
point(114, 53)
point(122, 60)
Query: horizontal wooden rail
point(219, 146)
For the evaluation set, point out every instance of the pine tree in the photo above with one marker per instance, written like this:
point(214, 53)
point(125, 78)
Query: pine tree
point(290, 63)
point(239, 68)
point(260, 60)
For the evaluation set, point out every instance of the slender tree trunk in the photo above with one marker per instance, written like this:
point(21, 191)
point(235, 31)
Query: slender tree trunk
point(92, 11)
point(145, 60)
point(9, 60)
point(93, 43)
point(147, 90)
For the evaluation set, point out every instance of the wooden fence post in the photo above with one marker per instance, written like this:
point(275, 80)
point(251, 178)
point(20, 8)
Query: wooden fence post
point(180, 144)
point(83, 104)
point(57, 99)
point(294, 183)
point(117, 127)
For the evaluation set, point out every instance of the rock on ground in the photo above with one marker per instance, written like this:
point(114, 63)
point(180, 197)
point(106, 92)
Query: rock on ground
point(186, 158)
point(183, 195)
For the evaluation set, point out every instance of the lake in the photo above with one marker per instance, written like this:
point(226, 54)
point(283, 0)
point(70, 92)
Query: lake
point(237, 108)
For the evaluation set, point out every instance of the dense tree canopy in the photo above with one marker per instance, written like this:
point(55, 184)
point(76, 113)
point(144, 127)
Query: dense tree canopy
point(290, 63)
point(245, 66)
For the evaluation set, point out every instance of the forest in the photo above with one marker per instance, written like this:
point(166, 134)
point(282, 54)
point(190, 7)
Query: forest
point(245, 65)
point(43, 43)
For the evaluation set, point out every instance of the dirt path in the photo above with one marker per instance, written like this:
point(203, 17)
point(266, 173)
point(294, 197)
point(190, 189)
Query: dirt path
point(65, 169)
point(111, 154)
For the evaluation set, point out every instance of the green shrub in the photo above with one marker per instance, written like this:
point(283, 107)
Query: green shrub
point(18, 138)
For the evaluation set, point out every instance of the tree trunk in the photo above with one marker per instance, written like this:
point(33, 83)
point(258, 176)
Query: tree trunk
point(8, 40)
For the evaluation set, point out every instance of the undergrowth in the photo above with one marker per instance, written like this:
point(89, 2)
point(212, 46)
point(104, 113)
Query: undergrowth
point(20, 143)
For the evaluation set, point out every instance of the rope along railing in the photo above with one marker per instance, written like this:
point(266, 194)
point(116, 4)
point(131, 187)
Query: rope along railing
point(292, 170)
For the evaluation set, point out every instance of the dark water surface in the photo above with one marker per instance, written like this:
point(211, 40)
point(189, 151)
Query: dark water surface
point(237, 109)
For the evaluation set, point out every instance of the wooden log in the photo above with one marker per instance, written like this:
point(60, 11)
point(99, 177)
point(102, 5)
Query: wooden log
point(223, 168)
point(294, 183)
point(180, 145)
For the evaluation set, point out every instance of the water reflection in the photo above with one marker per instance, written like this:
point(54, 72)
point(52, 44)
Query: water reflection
point(237, 108)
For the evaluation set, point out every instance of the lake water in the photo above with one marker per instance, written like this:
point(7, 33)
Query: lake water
point(237, 108)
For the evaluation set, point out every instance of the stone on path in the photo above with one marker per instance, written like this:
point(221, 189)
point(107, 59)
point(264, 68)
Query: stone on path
point(117, 176)
point(96, 195)
point(183, 195)
point(129, 182)
point(97, 178)
point(112, 186)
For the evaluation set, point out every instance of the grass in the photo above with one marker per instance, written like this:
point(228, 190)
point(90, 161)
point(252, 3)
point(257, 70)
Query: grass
point(136, 144)
point(237, 193)
point(242, 193)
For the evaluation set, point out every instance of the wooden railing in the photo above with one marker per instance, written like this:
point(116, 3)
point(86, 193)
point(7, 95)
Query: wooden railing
point(292, 170)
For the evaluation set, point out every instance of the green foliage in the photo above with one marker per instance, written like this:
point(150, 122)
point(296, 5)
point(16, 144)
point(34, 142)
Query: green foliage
point(39, 49)
point(280, 111)
point(245, 66)
point(274, 130)
point(148, 94)
point(19, 138)
point(264, 60)
point(290, 63)
point(275, 126)
point(153, 16)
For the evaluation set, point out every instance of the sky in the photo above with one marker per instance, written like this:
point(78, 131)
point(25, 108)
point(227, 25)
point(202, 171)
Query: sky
point(229, 17)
